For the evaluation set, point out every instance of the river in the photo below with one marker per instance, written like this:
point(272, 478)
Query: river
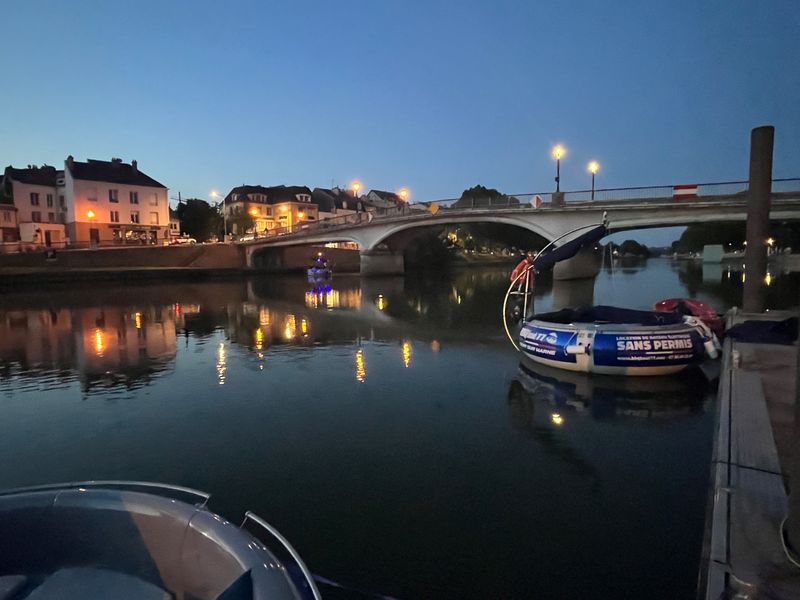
point(383, 425)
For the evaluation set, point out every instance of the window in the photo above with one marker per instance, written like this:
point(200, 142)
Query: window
point(62, 217)
point(115, 216)
point(154, 199)
point(134, 216)
point(36, 216)
point(153, 218)
point(269, 211)
point(61, 202)
point(49, 200)
point(173, 226)
point(91, 194)
point(134, 197)
point(113, 196)
point(34, 199)
point(51, 217)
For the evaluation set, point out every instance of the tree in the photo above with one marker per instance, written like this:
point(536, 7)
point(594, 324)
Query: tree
point(633, 248)
point(241, 222)
point(480, 196)
point(199, 219)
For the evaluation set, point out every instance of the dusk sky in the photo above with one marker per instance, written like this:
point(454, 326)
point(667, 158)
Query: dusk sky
point(436, 96)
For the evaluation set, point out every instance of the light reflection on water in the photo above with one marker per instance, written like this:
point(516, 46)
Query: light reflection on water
point(384, 425)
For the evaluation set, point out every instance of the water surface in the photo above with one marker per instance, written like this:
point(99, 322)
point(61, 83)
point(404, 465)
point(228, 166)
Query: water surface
point(384, 425)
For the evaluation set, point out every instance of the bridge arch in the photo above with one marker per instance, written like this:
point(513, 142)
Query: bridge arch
point(392, 230)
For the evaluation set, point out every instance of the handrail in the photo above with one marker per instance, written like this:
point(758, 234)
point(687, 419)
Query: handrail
point(111, 483)
point(289, 548)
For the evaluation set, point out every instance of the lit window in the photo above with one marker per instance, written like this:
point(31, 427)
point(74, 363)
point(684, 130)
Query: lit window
point(153, 218)
point(134, 216)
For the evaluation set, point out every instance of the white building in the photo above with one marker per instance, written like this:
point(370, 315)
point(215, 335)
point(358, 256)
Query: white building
point(112, 202)
point(95, 202)
point(40, 206)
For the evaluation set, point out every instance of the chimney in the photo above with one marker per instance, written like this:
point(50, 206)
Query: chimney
point(116, 161)
point(135, 166)
point(70, 162)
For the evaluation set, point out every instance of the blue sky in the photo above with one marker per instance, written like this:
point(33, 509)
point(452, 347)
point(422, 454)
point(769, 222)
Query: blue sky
point(436, 96)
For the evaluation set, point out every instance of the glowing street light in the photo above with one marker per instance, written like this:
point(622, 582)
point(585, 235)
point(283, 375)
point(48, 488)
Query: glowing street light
point(356, 185)
point(593, 167)
point(403, 193)
point(254, 212)
point(558, 152)
point(91, 214)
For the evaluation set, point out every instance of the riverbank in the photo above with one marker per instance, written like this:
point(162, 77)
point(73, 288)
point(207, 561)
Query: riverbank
point(25, 278)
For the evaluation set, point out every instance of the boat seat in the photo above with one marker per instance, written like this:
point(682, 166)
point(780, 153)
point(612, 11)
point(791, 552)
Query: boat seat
point(10, 585)
point(96, 584)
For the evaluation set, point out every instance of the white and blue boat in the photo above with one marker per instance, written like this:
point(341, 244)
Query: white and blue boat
point(617, 341)
point(602, 339)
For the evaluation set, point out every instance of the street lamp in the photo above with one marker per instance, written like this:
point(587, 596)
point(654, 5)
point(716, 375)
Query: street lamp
point(356, 186)
point(403, 193)
point(558, 152)
point(593, 167)
point(216, 194)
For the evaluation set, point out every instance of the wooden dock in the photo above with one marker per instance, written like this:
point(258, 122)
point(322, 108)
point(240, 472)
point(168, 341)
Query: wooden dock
point(744, 556)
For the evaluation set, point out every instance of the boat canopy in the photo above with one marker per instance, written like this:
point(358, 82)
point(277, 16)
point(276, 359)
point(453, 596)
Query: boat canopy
point(610, 314)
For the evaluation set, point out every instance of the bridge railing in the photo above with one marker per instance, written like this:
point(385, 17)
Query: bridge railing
point(661, 192)
point(707, 191)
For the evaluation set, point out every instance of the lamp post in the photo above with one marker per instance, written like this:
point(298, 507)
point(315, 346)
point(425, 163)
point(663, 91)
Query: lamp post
point(254, 213)
point(404, 194)
point(216, 194)
point(356, 186)
point(558, 152)
point(593, 167)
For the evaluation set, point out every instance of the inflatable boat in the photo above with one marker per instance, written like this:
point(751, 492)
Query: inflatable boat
point(126, 540)
point(617, 341)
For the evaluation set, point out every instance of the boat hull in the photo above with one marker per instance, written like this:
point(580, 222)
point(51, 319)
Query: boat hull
point(613, 349)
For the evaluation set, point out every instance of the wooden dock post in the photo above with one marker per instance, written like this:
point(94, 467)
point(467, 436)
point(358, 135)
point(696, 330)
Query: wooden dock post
point(758, 205)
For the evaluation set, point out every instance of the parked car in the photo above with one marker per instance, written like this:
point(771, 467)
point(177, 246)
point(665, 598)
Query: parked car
point(183, 240)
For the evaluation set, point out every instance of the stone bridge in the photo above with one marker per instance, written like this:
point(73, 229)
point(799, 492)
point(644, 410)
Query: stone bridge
point(381, 239)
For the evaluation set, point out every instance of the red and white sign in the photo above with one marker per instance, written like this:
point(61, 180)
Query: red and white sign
point(681, 192)
point(536, 201)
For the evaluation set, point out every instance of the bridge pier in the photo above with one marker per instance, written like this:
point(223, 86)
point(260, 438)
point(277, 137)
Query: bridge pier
point(573, 293)
point(382, 262)
point(584, 265)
